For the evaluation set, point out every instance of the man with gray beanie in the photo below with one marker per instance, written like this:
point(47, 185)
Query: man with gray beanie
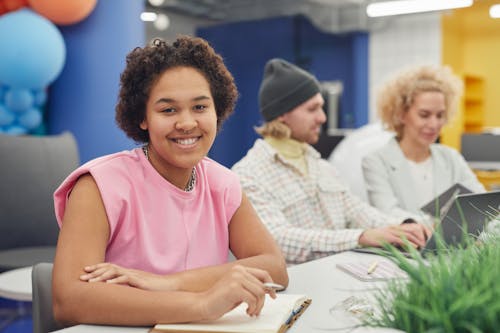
point(298, 195)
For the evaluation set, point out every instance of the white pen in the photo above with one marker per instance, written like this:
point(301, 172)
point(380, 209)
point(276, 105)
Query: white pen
point(372, 267)
point(273, 286)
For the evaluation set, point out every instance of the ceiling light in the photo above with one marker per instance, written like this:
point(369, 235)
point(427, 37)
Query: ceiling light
point(162, 22)
point(156, 3)
point(495, 11)
point(388, 8)
point(148, 16)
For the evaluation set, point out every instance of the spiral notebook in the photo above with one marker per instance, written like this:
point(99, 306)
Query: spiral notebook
point(277, 316)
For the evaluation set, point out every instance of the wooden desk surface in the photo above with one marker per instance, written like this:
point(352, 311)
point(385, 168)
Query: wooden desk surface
point(321, 281)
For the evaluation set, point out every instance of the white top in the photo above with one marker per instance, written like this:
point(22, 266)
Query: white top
point(423, 178)
point(392, 189)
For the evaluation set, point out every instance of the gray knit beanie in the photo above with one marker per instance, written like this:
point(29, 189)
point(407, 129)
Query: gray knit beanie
point(284, 87)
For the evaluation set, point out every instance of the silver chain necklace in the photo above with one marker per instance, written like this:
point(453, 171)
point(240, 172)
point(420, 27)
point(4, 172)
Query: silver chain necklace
point(192, 179)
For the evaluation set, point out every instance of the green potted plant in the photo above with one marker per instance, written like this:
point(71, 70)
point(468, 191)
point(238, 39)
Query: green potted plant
point(454, 291)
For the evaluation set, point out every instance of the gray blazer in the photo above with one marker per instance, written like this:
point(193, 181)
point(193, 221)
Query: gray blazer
point(390, 186)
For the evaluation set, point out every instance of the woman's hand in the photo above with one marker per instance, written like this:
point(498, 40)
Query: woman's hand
point(414, 233)
point(240, 285)
point(111, 273)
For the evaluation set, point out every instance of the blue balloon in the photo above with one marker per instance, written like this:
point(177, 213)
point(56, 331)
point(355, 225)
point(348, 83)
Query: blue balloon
point(6, 116)
point(30, 119)
point(19, 99)
point(32, 50)
point(15, 130)
point(40, 97)
point(2, 92)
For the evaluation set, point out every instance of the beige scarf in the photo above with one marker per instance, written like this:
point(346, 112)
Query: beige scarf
point(291, 150)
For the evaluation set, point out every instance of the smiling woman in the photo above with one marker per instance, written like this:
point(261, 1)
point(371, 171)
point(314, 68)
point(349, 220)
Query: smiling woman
point(163, 217)
point(181, 122)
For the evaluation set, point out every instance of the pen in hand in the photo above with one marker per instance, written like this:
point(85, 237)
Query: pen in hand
point(372, 267)
point(273, 286)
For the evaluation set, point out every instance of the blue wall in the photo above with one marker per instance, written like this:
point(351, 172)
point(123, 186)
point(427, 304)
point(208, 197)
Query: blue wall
point(82, 100)
point(247, 46)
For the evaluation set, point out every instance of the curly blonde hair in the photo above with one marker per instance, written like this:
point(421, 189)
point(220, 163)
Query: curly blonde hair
point(398, 94)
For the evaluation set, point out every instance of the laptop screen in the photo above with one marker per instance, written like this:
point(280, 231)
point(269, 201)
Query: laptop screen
point(481, 150)
point(469, 213)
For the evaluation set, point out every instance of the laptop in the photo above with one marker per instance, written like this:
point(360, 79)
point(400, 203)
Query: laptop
point(438, 206)
point(481, 150)
point(472, 211)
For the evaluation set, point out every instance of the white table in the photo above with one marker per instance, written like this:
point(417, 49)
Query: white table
point(328, 286)
point(16, 284)
point(321, 281)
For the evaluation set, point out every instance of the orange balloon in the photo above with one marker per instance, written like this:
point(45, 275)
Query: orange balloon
point(11, 5)
point(3, 10)
point(63, 12)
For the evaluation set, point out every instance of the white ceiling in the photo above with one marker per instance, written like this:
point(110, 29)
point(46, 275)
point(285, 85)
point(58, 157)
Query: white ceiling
point(334, 16)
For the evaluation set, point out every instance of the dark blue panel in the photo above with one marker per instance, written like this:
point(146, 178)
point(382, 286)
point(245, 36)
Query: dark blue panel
point(82, 100)
point(360, 78)
point(247, 46)
point(342, 57)
point(15, 316)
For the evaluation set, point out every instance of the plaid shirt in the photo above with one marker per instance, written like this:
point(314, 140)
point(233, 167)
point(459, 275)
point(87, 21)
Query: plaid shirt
point(309, 216)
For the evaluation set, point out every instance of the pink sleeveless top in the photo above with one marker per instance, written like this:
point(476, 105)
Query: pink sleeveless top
point(154, 226)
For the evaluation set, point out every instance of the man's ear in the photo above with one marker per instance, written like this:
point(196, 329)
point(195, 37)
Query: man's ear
point(282, 118)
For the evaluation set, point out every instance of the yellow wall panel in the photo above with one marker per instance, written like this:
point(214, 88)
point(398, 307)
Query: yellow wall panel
point(452, 40)
point(452, 55)
point(480, 56)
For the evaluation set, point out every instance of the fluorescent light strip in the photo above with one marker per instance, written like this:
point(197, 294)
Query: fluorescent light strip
point(148, 16)
point(495, 11)
point(388, 8)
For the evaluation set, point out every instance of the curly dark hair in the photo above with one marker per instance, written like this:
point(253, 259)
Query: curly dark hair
point(145, 66)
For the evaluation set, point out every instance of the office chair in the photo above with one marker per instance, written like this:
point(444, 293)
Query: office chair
point(32, 168)
point(348, 155)
point(42, 312)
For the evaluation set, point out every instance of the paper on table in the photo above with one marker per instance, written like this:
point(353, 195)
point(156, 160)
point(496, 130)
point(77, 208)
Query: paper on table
point(384, 270)
point(273, 315)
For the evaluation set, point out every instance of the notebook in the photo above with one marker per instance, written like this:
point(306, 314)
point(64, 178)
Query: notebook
point(471, 210)
point(367, 272)
point(438, 206)
point(276, 316)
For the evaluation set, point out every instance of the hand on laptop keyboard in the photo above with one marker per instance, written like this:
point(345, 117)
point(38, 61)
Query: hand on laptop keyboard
point(414, 233)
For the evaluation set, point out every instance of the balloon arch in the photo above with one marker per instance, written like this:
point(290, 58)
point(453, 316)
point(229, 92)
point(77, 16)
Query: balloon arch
point(33, 55)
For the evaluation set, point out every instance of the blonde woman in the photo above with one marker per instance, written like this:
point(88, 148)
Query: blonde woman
point(412, 169)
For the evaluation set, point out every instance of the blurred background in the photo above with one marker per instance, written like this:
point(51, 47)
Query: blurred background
point(59, 68)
